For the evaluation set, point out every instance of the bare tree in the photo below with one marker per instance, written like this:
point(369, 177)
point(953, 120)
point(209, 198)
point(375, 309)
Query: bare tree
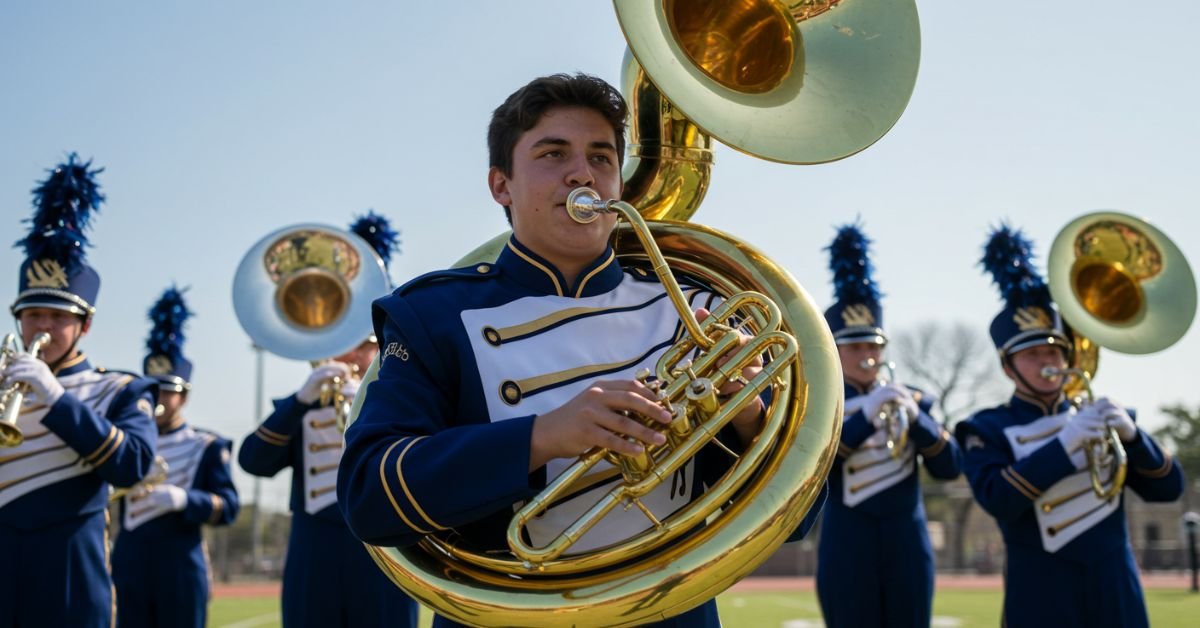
point(957, 364)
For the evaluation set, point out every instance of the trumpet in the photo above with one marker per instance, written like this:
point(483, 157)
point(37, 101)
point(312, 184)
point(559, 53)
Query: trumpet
point(893, 415)
point(333, 394)
point(11, 397)
point(157, 475)
point(1106, 451)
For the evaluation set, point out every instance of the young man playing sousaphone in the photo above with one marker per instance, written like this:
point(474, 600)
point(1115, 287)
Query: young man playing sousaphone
point(329, 580)
point(1068, 557)
point(160, 563)
point(875, 563)
point(496, 377)
point(84, 428)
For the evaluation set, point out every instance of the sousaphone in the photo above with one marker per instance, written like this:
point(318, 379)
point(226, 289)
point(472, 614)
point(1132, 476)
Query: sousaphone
point(845, 77)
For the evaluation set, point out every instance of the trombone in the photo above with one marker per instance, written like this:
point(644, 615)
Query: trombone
point(1105, 451)
point(11, 397)
point(893, 415)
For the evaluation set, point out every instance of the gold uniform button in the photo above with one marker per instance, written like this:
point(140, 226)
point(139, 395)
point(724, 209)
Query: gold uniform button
point(491, 336)
point(482, 268)
point(510, 392)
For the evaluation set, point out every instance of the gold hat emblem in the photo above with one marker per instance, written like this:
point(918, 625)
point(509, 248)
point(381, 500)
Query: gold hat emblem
point(1032, 317)
point(46, 273)
point(858, 315)
point(158, 365)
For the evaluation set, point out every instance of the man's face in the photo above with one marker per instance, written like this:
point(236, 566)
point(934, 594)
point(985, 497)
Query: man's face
point(360, 356)
point(65, 330)
point(567, 148)
point(1029, 364)
point(854, 354)
point(171, 402)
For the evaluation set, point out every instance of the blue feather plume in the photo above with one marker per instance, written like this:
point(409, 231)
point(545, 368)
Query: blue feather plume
point(849, 259)
point(167, 316)
point(63, 203)
point(378, 232)
point(1008, 257)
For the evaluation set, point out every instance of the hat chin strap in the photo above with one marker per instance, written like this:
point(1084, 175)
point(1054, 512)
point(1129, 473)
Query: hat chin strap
point(1021, 378)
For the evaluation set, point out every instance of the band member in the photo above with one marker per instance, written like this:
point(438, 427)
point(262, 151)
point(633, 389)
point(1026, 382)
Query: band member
point(328, 579)
point(874, 540)
point(84, 428)
point(160, 563)
point(495, 377)
point(1069, 561)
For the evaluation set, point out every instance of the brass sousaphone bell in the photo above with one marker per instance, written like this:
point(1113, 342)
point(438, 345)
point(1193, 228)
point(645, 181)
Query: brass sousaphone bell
point(795, 82)
point(1122, 284)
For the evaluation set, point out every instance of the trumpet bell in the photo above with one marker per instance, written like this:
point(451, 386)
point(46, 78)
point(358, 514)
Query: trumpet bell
point(304, 292)
point(795, 81)
point(1122, 283)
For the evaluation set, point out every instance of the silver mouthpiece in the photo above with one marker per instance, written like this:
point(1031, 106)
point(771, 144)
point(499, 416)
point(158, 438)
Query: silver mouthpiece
point(584, 205)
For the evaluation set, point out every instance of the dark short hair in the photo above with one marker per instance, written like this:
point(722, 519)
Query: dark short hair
point(523, 109)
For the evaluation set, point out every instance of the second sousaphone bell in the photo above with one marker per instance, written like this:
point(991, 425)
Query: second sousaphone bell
point(304, 292)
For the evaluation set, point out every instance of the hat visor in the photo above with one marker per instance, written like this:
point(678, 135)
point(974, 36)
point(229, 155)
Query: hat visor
point(853, 335)
point(52, 303)
point(1031, 339)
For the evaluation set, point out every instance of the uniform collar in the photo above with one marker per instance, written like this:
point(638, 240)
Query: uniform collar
point(1029, 405)
point(179, 424)
point(75, 365)
point(852, 389)
point(535, 273)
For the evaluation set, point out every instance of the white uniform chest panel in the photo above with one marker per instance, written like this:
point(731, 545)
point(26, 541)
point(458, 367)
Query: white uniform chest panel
point(183, 450)
point(872, 468)
point(1070, 507)
point(43, 458)
point(551, 349)
point(323, 446)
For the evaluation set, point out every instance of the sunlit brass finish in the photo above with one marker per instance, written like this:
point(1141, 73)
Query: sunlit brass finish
point(13, 396)
point(668, 159)
point(1122, 283)
point(157, 475)
point(794, 81)
point(333, 394)
point(304, 292)
point(892, 415)
point(674, 565)
point(1106, 452)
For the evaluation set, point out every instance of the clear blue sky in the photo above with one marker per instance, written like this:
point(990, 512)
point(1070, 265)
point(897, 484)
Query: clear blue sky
point(218, 122)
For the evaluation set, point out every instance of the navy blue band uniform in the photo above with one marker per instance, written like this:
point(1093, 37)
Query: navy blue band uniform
point(306, 438)
point(1069, 558)
point(54, 486)
point(471, 356)
point(875, 565)
point(160, 562)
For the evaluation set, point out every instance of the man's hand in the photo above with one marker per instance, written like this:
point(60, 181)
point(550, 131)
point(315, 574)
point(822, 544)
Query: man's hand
point(1084, 425)
point(1117, 417)
point(34, 373)
point(168, 496)
point(873, 405)
point(594, 419)
point(311, 390)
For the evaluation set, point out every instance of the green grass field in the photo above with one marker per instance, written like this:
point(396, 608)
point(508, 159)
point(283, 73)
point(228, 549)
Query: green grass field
point(1168, 608)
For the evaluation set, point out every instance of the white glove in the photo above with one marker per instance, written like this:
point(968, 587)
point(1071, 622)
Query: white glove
point(311, 390)
point(1117, 417)
point(1086, 424)
point(37, 375)
point(168, 496)
point(876, 398)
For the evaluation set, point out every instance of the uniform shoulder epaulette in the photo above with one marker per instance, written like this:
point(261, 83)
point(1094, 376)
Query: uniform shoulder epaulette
point(472, 272)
